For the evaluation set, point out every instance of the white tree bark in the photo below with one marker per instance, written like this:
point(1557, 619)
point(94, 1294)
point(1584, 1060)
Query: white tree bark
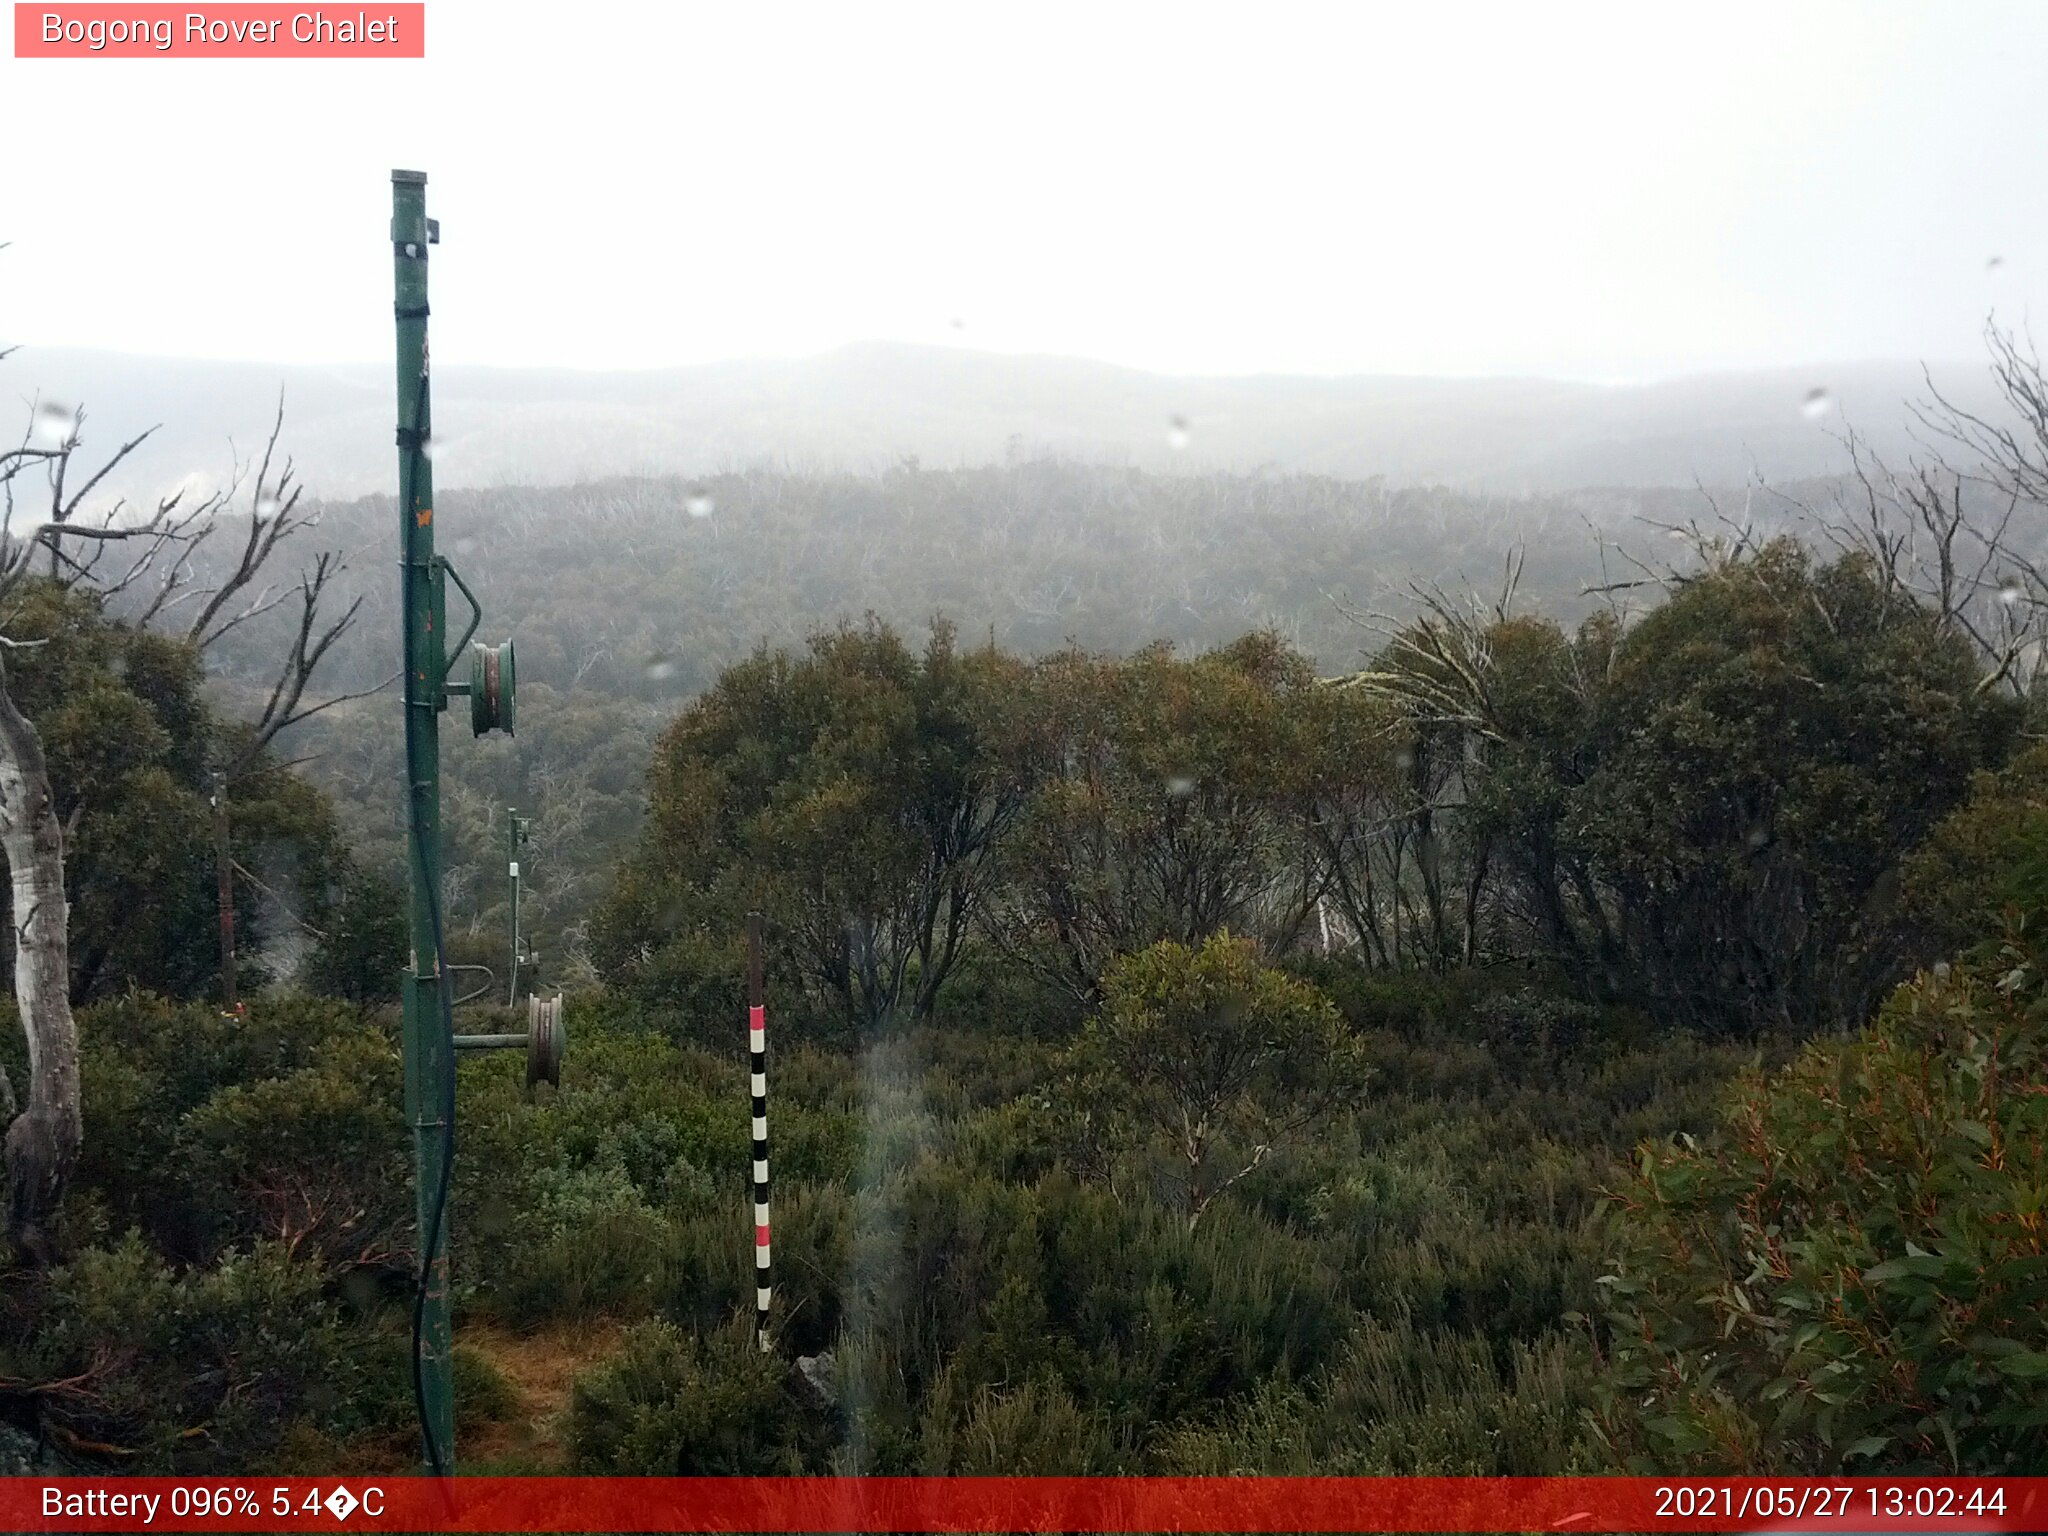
point(43, 1138)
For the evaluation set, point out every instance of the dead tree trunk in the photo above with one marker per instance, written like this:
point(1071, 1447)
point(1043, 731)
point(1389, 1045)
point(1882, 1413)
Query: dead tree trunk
point(224, 883)
point(44, 1137)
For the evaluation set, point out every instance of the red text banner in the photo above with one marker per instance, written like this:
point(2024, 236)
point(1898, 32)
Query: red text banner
point(805, 1504)
point(235, 31)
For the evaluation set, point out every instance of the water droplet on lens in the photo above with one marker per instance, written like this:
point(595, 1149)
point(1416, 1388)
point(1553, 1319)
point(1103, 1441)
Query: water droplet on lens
point(266, 505)
point(1177, 432)
point(1994, 264)
point(430, 448)
point(465, 545)
point(2010, 593)
point(1180, 786)
point(53, 425)
point(1817, 404)
point(957, 323)
point(660, 669)
point(411, 249)
point(698, 504)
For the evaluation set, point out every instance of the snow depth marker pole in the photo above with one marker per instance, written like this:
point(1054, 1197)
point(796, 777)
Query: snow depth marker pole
point(757, 1054)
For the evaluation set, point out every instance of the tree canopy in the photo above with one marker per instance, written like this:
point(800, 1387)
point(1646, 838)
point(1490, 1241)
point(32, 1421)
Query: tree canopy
point(132, 741)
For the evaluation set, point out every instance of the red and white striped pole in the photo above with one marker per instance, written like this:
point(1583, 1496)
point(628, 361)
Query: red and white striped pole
point(757, 1053)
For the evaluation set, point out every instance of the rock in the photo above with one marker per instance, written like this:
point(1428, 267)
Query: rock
point(20, 1456)
point(816, 1374)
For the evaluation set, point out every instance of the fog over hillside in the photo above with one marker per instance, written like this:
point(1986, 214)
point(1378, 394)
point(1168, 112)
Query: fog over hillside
point(866, 407)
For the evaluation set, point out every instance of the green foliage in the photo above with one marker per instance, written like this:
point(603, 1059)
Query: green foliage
point(1528, 1031)
point(1706, 812)
point(624, 1189)
point(316, 1159)
point(1165, 798)
point(197, 1371)
point(1773, 740)
point(1408, 1402)
point(1019, 1057)
point(847, 792)
point(1407, 1268)
point(1033, 1430)
point(364, 951)
point(130, 741)
point(1853, 1276)
point(577, 770)
point(1210, 1062)
point(208, 1130)
point(672, 1404)
point(1986, 860)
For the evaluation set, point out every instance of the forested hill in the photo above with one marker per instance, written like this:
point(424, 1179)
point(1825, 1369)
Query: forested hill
point(629, 597)
point(1454, 973)
point(648, 588)
point(865, 407)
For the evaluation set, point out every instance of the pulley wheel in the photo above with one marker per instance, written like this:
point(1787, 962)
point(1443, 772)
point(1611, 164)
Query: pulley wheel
point(493, 688)
point(545, 1038)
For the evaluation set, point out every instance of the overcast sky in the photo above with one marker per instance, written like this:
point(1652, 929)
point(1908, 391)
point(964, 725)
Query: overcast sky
point(1605, 192)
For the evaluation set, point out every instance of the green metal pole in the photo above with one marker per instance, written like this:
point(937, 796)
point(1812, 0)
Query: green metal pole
point(429, 1063)
point(512, 864)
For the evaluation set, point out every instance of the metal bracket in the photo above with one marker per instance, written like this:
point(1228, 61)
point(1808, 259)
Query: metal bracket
point(455, 652)
point(545, 1039)
point(470, 997)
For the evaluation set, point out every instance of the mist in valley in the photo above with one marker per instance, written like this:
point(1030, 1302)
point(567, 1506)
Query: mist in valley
point(1377, 676)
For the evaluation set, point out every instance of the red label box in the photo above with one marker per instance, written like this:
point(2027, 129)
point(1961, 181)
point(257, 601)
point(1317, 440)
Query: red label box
point(235, 31)
point(1576, 1506)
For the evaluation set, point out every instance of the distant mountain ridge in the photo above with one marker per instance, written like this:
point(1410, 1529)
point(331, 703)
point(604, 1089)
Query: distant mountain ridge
point(868, 405)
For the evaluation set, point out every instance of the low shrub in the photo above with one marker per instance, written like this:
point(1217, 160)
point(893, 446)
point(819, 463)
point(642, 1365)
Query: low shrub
point(672, 1403)
point(1851, 1277)
point(122, 1358)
